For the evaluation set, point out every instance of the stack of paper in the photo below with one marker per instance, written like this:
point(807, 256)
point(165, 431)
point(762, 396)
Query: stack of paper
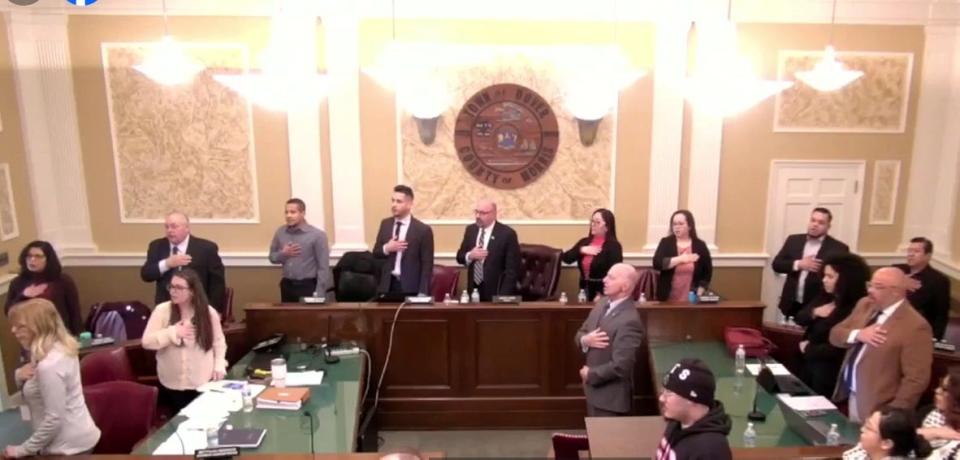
point(807, 403)
point(283, 398)
point(300, 379)
point(775, 368)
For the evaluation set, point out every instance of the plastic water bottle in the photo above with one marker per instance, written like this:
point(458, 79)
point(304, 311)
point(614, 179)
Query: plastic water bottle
point(750, 436)
point(643, 298)
point(247, 398)
point(213, 436)
point(464, 297)
point(692, 297)
point(446, 299)
point(741, 359)
point(475, 297)
point(582, 296)
point(563, 298)
point(781, 318)
point(790, 321)
point(833, 436)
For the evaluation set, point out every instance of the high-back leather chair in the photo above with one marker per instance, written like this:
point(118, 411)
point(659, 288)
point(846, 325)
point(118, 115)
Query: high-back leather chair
point(133, 313)
point(646, 283)
point(539, 271)
point(445, 280)
point(568, 446)
point(227, 316)
point(124, 412)
point(109, 365)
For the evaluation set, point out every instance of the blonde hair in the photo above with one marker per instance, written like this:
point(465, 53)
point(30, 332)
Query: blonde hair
point(41, 318)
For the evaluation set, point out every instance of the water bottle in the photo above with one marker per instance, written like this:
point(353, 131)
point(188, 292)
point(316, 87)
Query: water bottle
point(213, 436)
point(464, 297)
point(643, 298)
point(790, 321)
point(692, 297)
point(563, 298)
point(475, 297)
point(446, 299)
point(582, 296)
point(833, 436)
point(750, 436)
point(247, 398)
point(741, 359)
point(781, 318)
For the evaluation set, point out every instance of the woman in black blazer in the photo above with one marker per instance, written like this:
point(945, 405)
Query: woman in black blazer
point(598, 252)
point(845, 279)
point(683, 260)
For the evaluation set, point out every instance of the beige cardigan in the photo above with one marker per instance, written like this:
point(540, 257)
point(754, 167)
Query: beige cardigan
point(182, 364)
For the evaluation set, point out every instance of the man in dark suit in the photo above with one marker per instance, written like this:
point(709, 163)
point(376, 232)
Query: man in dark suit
point(610, 337)
point(889, 349)
point(407, 244)
point(928, 290)
point(181, 249)
point(491, 252)
point(801, 259)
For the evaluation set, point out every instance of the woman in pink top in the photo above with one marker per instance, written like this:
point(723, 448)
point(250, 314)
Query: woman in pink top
point(186, 333)
point(683, 260)
point(596, 253)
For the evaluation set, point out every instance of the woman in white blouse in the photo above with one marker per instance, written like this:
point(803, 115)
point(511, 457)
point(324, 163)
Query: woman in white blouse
point(50, 383)
point(186, 333)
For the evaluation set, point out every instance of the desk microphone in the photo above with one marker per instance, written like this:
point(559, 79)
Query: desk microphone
point(764, 380)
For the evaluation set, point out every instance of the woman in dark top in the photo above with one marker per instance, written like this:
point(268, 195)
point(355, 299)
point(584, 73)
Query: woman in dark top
point(596, 253)
point(845, 279)
point(683, 260)
point(42, 277)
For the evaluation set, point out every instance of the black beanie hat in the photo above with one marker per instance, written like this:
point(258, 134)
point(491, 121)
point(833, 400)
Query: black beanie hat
point(692, 380)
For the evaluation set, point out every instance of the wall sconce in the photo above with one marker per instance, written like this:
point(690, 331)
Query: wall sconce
point(427, 128)
point(588, 130)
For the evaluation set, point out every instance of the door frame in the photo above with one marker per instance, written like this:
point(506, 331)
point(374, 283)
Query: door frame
point(771, 280)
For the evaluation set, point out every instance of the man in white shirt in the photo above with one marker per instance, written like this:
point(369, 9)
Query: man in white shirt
point(889, 349)
point(609, 338)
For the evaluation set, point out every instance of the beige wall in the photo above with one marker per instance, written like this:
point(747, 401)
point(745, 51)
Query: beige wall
point(379, 132)
point(269, 130)
point(12, 152)
point(749, 143)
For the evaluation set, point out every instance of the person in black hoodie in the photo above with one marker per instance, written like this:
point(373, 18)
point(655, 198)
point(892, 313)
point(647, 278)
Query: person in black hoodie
point(697, 426)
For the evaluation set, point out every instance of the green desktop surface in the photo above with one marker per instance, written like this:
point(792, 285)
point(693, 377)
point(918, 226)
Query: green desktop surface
point(333, 407)
point(738, 398)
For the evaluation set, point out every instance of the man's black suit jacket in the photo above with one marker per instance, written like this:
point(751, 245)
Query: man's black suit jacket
point(206, 262)
point(932, 300)
point(502, 265)
point(416, 265)
point(792, 251)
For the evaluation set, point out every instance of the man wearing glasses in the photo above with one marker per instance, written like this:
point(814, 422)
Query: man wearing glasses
point(491, 252)
point(889, 349)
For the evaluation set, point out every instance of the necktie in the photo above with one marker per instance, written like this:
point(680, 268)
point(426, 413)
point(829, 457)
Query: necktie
point(396, 231)
point(176, 250)
point(478, 265)
point(604, 311)
point(857, 348)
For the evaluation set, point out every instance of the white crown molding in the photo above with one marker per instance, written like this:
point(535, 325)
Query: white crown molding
point(948, 267)
point(901, 12)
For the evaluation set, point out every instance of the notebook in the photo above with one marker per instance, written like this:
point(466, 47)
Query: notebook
point(283, 398)
point(247, 438)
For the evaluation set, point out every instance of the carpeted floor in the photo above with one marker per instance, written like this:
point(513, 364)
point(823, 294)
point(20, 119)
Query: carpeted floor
point(482, 444)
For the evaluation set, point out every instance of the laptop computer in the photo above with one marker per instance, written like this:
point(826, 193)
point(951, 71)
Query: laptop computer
point(813, 429)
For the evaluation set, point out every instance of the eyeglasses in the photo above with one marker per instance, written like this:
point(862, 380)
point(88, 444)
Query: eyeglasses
point(36, 256)
point(480, 212)
point(174, 287)
point(876, 286)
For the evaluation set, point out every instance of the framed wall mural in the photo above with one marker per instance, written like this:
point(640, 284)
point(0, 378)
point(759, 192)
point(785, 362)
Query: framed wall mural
point(883, 199)
point(187, 147)
point(8, 211)
point(874, 103)
point(506, 133)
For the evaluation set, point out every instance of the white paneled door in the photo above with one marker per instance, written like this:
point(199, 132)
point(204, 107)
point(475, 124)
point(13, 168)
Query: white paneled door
point(796, 187)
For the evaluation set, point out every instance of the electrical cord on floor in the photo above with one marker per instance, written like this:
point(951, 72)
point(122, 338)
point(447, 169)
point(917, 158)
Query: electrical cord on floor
point(383, 372)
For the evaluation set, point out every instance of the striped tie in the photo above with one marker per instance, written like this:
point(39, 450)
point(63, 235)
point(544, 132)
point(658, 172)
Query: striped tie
point(478, 265)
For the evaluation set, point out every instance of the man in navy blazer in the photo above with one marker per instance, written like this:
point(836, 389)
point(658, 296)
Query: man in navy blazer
point(407, 245)
point(491, 252)
point(801, 259)
point(181, 249)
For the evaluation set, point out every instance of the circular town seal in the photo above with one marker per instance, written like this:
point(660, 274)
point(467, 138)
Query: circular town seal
point(506, 136)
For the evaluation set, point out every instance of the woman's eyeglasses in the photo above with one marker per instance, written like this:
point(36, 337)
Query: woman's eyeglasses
point(176, 288)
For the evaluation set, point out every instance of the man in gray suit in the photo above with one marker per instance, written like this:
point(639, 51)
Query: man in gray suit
point(610, 337)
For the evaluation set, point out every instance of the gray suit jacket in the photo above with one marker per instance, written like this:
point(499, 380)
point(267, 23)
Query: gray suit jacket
point(609, 383)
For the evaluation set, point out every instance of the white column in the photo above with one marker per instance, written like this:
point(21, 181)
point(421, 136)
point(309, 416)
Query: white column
point(299, 29)
point(703, 186)
point(669, 71)
point(40, 52)
point(341, 23)
point(933, 187)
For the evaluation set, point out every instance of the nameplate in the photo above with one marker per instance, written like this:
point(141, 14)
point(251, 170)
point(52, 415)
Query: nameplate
point(514, 299)
point(217, 452)
point(419, 299)
point(313, 300)
point(944, 346)
point(709, 298)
